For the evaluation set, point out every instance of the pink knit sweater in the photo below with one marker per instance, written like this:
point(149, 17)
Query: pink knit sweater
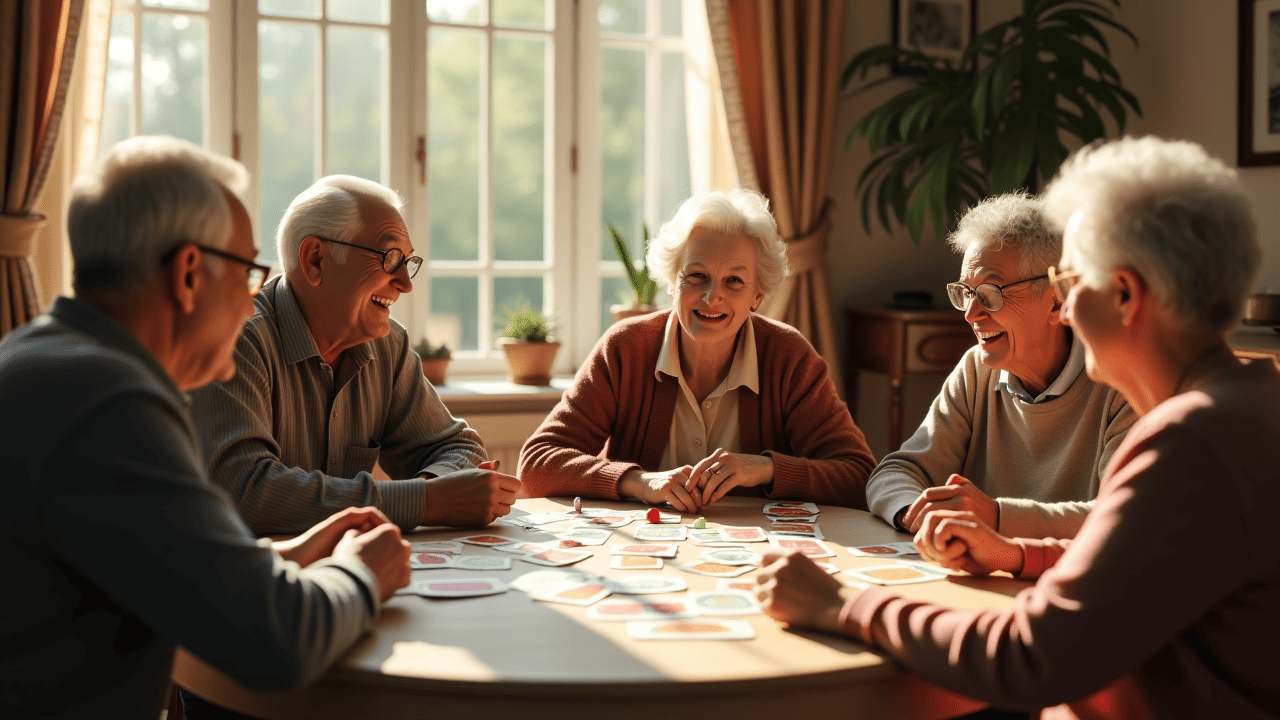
point(617, 416)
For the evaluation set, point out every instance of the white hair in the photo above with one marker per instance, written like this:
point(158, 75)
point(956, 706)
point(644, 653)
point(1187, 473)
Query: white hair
point(1014, 219)
point(145, 197)
point(1168, 211)
point(732, 212)
point(330, 208)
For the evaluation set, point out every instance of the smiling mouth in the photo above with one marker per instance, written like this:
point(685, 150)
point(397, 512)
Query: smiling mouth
point(709, 316)
point(384, 302)
point(987, 336)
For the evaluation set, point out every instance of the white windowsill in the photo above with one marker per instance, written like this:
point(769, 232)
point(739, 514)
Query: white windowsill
point(465, 396)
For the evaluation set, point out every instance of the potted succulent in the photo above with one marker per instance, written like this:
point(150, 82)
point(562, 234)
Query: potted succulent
point(435, 361)
point(528, 345)
point(643, 287)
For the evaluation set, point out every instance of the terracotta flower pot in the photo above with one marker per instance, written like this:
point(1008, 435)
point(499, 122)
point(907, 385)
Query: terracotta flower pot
point(529, 363)
point(436, 369)
point(624, 311)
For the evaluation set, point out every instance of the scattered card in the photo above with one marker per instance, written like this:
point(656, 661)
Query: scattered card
point(706, 536)
point(715, 569)
point(646, 584)
point(700, 629)
point(426, 561)
point(661, 532)
point(440, 547)
point(790, 505)
point(487, 540)
point(896, 574)
point(617, 609)
point(794, 518)
point(743, 534)
point(544, 518)
point(808, 547)
point(749, 585)
point(731, 556)
point(665, 550)
point(724, 602)
point(791, 512)
point(786, 527)
point(539, 579)
point(586, 536)
point(611, 521)
point(572, 593)
point(482, 562)
point(515, 522)
point(826, 567)
point(557, 557)
point(457, 587)
point(890, 549)
point(523, 548)
point(636, 562)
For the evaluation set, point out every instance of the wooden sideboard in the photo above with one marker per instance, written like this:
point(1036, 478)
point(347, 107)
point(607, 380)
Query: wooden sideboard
point(900, 343)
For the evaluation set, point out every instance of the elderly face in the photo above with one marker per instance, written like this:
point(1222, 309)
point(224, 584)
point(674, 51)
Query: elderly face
point(1091, 313)
point(225, 306)
point(716, 286)
point(356, 295)
point(1019, 337)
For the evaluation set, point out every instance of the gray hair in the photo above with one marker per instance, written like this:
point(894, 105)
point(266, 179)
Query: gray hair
point(146, 196)
point(733, 212)
point(330, 208)
point(1168, 211)
point(1016, 219)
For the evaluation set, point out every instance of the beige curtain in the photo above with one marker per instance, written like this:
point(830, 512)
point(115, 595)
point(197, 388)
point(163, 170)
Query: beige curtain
point(37, 46)
point(781, 60)
point(712, 165)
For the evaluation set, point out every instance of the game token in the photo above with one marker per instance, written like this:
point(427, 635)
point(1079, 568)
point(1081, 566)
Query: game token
point(577, 506)
point(653, 516)
point(700, 524)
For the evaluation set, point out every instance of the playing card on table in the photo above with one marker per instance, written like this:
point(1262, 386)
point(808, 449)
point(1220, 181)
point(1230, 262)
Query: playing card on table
point(572, 593)
point(700, 629)
point(544, 518)
point(586, 536)
point(426, 561)
point(795, 529)
point(636, 562)
point(646, 584)
point(666, 550)
point(748, 584)
point(896, 574)
point(540, 579)
point(457, 587)
point(706, 536)
point(557, 557)
point(743, 534)
point(731, 556)
point(661, 532)
point(487, 540)
point(826, 567)
point(890, 549)
point(790, 505)
point(523, 548)
point(796, 513)
point(481, 562)
point(807, 546)
point(441, 547)
point(724, 602)
point(611, 521)
point(715, 569)
point(517, 522)
point(616, 609)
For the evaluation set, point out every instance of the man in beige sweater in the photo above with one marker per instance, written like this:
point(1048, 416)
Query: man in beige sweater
point(1019, 435)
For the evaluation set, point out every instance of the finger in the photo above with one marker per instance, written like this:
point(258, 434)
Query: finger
point(726, 485)
point(679, 498)
point(490, 465)
point(912, 519)
point(698, 474)
point(508, 483)
point(942, 492)
point(958, 480)
point(715, 481)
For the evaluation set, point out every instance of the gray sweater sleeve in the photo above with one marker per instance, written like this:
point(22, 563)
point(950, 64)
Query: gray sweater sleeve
point(136, 516)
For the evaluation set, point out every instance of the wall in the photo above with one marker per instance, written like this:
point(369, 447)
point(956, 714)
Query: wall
point(1184, 74)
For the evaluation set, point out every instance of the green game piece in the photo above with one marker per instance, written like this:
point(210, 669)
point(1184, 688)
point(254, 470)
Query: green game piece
point(700, 524)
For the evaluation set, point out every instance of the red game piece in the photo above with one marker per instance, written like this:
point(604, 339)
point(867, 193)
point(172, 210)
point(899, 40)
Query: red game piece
point(653, 516)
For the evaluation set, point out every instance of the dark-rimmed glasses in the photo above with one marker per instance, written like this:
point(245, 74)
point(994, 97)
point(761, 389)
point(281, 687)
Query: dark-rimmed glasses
point(391, 259)
point(1062, 282)
point(257, 273)
point(989, 295)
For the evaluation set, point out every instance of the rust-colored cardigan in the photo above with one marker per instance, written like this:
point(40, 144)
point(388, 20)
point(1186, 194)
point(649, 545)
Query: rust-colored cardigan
point(617, 416)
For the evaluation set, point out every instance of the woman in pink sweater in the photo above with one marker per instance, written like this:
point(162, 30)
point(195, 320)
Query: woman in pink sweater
point(1164, 605)
point(686, 405)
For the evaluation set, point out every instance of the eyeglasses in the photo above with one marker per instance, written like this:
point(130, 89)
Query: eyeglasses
point(257, 273)
point(391, 259)
point(990, 296)
point(1062, 282)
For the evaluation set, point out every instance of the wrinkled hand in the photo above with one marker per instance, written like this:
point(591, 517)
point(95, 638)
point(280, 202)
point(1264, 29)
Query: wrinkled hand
point(319, 541)
point(469, 498)
point(655, 488)
point(721, 471)
point(960, 541)
point(382, 551)
point(958, 494)
point(796, 591)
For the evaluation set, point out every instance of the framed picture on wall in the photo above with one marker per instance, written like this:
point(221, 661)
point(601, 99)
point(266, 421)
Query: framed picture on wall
point(1258, 133)
point(937, 28)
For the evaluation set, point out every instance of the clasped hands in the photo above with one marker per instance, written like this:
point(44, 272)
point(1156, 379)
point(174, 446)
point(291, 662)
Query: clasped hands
point(363, 534)
point(689, 488)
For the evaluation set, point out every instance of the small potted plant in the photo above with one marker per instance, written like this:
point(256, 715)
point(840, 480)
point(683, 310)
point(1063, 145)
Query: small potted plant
point(643, 287)
point(528, 345)
point(435, 361)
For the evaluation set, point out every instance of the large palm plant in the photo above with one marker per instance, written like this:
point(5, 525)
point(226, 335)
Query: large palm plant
point(957, 136)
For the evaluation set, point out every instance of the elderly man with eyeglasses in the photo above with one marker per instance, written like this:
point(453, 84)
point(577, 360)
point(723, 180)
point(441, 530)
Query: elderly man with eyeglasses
point(326, 385)
point(1019, 435)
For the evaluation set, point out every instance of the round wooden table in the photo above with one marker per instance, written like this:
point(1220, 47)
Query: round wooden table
point(507, 655)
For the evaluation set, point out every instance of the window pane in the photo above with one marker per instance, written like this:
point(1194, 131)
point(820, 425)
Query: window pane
point(455, 11)
point(519, 124)
point(453, 129)
point(117, 98)
point(286, 121)
point(672, 20)
point(290, 8)
point(460, 298)
point(361, 11)
point(178, 4)
point(521, 13)
point(356, 101)
point(674, 181)
point(511, 293)
point(173, 76)
point(622, 146)
point(622, 16)
point(613, 291)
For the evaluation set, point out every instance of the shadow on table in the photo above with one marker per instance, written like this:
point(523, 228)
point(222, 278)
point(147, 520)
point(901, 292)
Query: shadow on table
point(1006, 586)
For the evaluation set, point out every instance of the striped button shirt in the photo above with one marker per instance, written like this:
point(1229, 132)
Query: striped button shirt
point(293, 441)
